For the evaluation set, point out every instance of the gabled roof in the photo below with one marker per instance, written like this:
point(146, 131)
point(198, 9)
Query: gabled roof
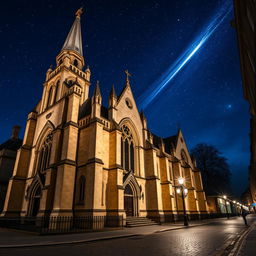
point(11, 144)
point(170, 142)
point(86, 109)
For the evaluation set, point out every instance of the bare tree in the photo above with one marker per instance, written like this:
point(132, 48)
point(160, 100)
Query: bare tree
point(214, 168)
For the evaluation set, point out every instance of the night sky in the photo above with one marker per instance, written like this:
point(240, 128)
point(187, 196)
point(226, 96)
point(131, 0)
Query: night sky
point(146, 37)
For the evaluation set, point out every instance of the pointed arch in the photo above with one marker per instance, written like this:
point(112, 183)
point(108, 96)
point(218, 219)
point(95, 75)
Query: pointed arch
point(43, 149)
point(34, 194)
point(130, 143)
point(49, 99)
point(131, 180)
point(132, 194)
point(129, 123)
point(56, 91)
point(48, 128)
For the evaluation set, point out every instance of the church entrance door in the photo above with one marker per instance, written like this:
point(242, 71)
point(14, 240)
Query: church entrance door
point(35, 201)
point(128, 205)
point(128, 201)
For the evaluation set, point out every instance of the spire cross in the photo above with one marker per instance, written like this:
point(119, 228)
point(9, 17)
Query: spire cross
point(127, 75)
point(79, 12)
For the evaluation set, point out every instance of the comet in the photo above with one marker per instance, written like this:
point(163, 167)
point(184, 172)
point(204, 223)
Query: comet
point(158, 86)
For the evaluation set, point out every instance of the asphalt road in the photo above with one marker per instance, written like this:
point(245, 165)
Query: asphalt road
point(201, 240)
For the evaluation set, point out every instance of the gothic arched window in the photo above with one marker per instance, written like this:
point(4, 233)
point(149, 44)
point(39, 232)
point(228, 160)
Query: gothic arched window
point(127, 149)
point(184, 156)
point(56, 91)
point(44, 157)
point(75, 63)
point(49, 97)
point(81, 188)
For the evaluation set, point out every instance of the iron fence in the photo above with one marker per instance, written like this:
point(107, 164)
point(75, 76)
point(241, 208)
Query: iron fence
point(62, 224)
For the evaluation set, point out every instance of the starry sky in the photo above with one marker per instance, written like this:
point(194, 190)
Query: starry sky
point(205, 99)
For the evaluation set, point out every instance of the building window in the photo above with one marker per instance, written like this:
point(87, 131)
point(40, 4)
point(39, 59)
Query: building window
point(49, 97)
point(56, 91)
point(127, 150)
point(128, 103)
point(81, 188)
point(184, 156)
point(44, 156)
point(75, 63)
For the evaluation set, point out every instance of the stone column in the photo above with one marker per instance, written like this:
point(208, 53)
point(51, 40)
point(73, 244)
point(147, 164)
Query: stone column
point(66, 168)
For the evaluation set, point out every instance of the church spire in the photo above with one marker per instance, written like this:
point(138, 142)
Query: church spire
point(74, 39)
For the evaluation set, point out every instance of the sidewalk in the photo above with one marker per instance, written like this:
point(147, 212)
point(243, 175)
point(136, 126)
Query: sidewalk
point(10, 238)
point(248, 246)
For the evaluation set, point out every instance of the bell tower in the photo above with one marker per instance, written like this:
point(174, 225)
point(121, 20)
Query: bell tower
point(69, 69)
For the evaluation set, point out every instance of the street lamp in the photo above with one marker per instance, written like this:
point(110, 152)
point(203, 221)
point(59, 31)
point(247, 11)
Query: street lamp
point(183, 191)
point(225, 198)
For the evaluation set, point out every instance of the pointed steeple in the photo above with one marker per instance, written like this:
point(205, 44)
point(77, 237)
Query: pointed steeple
point(96, 102)
point(97, 90)
point(74, 39)
point(113, 92)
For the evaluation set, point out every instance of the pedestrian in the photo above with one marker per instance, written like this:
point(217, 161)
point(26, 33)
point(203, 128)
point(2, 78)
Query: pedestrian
point(244, 213)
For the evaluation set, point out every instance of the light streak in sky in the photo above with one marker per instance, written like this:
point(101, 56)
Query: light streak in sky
point(151, 93)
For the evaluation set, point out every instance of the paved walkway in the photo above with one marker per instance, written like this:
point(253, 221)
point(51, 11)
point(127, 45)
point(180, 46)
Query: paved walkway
point(15, 238)
point(248, 245)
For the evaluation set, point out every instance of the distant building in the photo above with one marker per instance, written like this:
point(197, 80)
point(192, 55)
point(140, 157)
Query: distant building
point(80, 158)
point(245, 23)
point(219, 206)
point(8, 151)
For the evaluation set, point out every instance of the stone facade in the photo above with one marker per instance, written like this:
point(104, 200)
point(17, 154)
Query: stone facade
point(80, 158)
point(245, 22)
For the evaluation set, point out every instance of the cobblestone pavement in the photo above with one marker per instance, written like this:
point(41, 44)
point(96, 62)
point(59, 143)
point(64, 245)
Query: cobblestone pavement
point(248, 246)
point(200, 240)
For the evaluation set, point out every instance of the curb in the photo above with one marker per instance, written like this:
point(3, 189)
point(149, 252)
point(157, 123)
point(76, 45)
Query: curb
point(67, 242)
point(239, 243)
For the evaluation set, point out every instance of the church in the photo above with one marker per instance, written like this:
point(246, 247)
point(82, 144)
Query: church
point(80, 158)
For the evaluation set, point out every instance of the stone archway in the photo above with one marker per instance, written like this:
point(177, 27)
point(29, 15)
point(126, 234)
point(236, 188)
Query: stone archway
point(35, 202)
point(34, 196)
point(129, 201)
point(131, 195)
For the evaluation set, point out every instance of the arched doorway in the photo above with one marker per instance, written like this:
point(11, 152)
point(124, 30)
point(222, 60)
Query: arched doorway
point(35, 201)
point(128, 201)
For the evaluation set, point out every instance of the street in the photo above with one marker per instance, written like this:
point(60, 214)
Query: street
point(199, 240)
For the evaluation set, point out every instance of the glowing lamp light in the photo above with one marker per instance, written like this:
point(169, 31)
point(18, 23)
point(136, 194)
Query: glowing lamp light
point(180, 180)
point(178, 190)
point(227, 203)
point(185, 190)
point(225, 197)
point(234, 202)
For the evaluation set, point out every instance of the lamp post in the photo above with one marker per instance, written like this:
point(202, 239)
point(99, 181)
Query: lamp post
point(183, 191)
point(234, 206)
point(225, 198)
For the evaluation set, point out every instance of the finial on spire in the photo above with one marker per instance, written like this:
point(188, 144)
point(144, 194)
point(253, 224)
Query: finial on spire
point(79, 12)
point(74, 39)
point(127, 76)
point(97, 89)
